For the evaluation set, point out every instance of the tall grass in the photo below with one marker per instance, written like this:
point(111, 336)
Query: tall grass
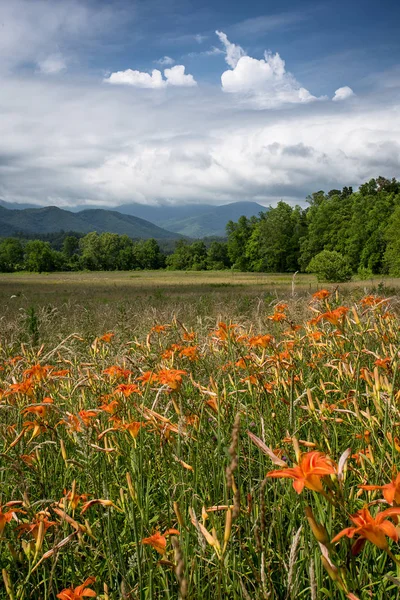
point(141, 464)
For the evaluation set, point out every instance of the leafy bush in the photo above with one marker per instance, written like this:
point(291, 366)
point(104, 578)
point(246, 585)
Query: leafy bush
point(330, 266)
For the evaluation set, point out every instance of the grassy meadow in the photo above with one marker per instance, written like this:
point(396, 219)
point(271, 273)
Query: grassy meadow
point(198, 435)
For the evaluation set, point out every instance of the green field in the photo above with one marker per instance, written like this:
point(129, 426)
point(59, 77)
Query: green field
point(134, 301)
point(198, 436)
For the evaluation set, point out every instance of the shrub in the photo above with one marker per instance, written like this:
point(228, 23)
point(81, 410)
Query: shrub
point(330, 266)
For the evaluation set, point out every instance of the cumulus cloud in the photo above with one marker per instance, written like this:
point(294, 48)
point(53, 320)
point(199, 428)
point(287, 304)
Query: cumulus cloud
point(68, 143)
point(52, 64)
point(263, 83)
point(233, 53)
point(175, 76)
point(165, 60)
point(343, 93)
point(137, 78)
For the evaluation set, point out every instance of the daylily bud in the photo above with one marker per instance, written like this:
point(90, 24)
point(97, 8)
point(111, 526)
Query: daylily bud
point(330, 569)
point(40, 536)
point(63, 451)
point(131, 489)
point(228, 528)
point(28, 547)
point(7, 584)
point(318, 530)
point(178, 514)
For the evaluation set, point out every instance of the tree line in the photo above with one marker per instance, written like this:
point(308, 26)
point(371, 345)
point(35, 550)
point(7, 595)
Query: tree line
point(347, 231)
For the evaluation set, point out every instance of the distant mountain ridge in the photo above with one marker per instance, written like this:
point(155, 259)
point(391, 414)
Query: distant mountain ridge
point(194, 220)
point(52, 219)
point(135, 220)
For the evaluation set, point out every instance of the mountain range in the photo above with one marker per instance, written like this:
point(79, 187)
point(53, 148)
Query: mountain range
point(139, 221)
point(52, 219)
point(194, 220)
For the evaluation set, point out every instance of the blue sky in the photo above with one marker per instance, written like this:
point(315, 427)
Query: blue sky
point(114, 102)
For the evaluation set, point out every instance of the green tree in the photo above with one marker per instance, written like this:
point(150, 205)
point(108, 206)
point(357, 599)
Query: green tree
point(11, 255)
point(392, 237)
point(90, 247)
point(274, 244)
point(217, 256)
point(329, 265)
point(198, 252)
point(238, 236)
point(39, 257)
point(147, 255)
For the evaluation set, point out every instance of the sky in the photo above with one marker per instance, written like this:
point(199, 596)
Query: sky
point(104, 103)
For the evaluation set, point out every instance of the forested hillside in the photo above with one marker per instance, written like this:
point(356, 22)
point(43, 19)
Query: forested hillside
point(348, 232)
point(363, 227)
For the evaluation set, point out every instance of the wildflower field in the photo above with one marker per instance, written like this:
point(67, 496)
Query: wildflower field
point(248, 451)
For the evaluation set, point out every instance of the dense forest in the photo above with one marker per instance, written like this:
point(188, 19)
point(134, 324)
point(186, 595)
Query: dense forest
point(350, 232)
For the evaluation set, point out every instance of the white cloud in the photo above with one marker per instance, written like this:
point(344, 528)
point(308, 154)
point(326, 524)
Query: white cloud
point(343, 93)
point(175, 76)
point(263, 83)
point(213, 51)
point(52, 64)
point(233, 53)
point(63, 143)
point(31, 30)
point(200, 38)
point(165, 60)
point(137, 78)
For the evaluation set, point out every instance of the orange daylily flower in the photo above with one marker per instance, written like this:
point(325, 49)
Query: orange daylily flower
point(308, 473)
point(148, 377)
point(281, 307)
point(87, 416)
point(91, 503)
point(127, 389)
point(61, 373)
point(224, 331)
point(72, 422)
point(391, 491)
point(191, 352)
point(159, 328)
point(38, 409)
point(321, 295)
point(158, 541)
point(171, 377)
point(72, 498)
point(6, 516)
point(25, 387)
point(80, 591)
point(277, 317)
point(36, 426)
point(334, 316)
point(260, 341)
point(34, 526)
point(374, 529)
point(37, 372)
point(106, 337)
point(134, 427)
point(188, 336)
point(110, 407)
point(117, 371)
point(373, 300)
point(383, 362)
